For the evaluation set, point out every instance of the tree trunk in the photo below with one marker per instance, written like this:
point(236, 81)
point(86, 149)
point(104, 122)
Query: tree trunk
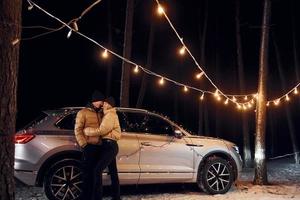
point(10, 33)
point(125, 79)
point(260, 176)
point(109, 67)
point(148, 66)
point(296, 62)
point(246, 135)
point(217, 61)
point(287, 110)
point(201, 115)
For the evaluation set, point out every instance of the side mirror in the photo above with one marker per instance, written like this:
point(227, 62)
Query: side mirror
point(178, 134)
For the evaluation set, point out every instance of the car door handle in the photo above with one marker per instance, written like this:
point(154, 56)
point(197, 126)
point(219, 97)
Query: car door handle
point(194, 145)
point(146, 143)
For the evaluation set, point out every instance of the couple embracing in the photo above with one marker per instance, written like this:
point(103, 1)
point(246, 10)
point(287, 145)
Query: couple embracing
point(97, 131)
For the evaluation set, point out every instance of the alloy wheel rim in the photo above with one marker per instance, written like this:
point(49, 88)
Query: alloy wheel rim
point(218, 176)
point(66, 183)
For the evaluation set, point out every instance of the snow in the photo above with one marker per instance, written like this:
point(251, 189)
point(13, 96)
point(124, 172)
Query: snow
point(283, 176)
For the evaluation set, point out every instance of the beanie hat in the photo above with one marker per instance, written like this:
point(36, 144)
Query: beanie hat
point(97, 96)
point(110, 101)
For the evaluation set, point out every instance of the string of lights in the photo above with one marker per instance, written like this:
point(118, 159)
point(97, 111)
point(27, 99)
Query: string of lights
point(184, 48)
point(242, 102)
point(231, 97)
point(50, 30)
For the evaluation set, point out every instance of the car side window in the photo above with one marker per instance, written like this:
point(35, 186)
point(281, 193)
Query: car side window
point(144, 123)
point(157, 126)
point(130, 121)
point(68, 122)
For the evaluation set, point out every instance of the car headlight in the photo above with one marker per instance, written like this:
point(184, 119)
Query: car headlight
point(236, 149)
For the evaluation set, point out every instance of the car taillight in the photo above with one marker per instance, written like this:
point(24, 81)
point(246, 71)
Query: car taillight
point(23, 138)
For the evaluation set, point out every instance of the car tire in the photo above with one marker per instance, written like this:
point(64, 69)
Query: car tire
point(63, 180)
point(216, 176)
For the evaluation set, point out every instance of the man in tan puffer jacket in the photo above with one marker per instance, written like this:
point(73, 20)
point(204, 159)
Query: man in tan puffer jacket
point(90, 116)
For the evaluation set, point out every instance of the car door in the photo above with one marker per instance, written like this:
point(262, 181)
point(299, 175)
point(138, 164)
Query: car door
point(129, 151)
point(164, 158)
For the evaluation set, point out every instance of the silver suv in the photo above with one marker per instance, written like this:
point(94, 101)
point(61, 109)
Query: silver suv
point(153, 149)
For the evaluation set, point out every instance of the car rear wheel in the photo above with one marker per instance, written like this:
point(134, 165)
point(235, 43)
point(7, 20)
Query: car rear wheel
point(63, 180)
point(216, 176)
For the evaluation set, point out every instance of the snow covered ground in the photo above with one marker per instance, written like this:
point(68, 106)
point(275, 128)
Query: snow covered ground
point(284, 178)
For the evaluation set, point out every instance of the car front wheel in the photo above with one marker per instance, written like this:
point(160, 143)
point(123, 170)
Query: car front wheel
point(216, 176)
point(63, 180)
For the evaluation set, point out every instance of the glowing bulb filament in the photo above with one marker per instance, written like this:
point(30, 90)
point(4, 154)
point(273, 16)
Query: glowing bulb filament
point(226, 102)
point(182, 51)
point(277, 102)
point(136, 69)
point(233, 99)
point(249, 105)
point(105, 54)
point(296, 91)
point(69, 34)
point(185, 89)
point(202, 97)
point(161, 81)
point(160, 10)
point(216, 94)
point(287, 98)
point(198, 76)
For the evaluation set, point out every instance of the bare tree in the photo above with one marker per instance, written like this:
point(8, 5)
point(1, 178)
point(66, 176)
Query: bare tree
point(109, 67)
point(148, 65)
point(239, 50)
point(287, 110)
point(125, 79)
point(202, 109)
point(10, 34)
point(295, 50)
point(260, 176)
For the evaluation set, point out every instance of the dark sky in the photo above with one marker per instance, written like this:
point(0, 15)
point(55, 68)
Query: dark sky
point(56, 71)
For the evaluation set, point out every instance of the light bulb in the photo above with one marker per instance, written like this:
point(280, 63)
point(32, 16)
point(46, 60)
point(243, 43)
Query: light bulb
point(69, 34)
point(268, 103)
point(276, 102)
point(296, 91)
point(216, 94)
point(161, 81)
point(238, 106)
point(226, 102)
point(30, 7)
point(136, 69)
point(246, 97)
point(199, 75)
point(105, 54)
point(249, 105)
point(185, 89)
point(233, 99)
point(287, 98)
point(160, 10)
point(182, 51)
point(202, 97)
